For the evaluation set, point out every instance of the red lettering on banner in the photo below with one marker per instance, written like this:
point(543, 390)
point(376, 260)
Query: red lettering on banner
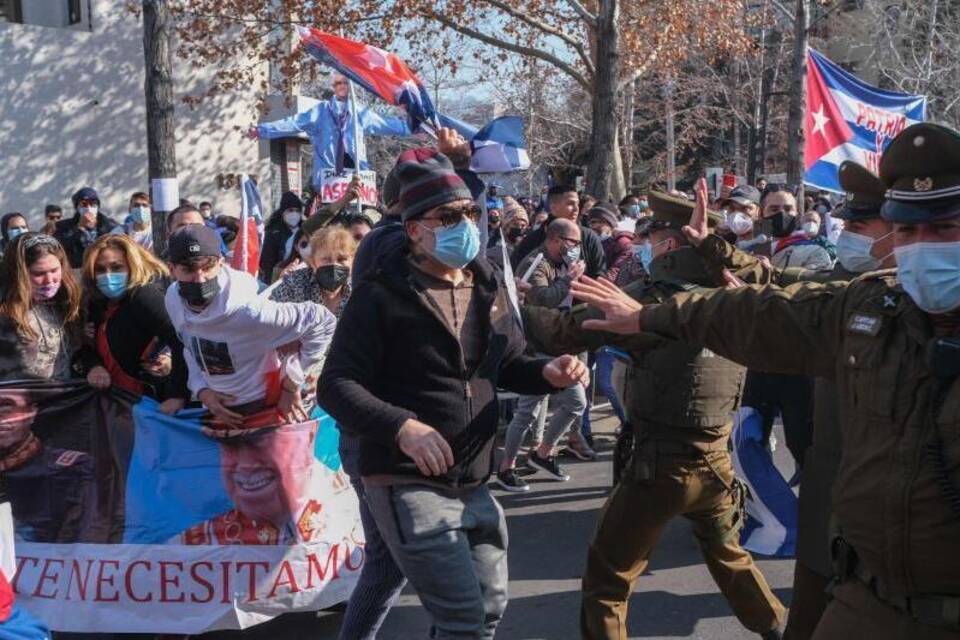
point(203, 582)
point(22, 560)
point(74, 577)
point(226, 583)
point(45, 576)
point(322, 571)
point(101, 580)
point(174, 581)
point(128, 581)
point(252, 583)
point(362, 554)
point(290, 582)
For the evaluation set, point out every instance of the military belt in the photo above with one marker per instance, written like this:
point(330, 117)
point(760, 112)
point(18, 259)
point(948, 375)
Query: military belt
point(675, 447)
point(932, 610)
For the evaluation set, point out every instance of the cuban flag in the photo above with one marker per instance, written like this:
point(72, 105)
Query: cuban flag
point(848, 119)
point(771, 525)
point(378, 71)
point(246, 250)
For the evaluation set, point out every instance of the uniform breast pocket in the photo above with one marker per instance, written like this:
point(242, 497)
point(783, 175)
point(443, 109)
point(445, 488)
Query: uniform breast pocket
point(871, 375)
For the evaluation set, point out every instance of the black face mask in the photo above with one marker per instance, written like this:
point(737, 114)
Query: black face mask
point(199, 294)
point(331, 277)
point(515, 234)
point(779, 225)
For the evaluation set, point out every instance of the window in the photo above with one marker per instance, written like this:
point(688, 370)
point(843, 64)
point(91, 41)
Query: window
point(10, 11)
point(74, 14)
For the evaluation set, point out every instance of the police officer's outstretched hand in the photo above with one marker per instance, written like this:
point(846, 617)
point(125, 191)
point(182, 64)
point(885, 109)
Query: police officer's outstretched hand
point(621, 312)
point(428, 449)
point(698, 229)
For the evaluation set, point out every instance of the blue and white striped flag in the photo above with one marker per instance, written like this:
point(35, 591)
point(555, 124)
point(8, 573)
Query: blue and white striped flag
point(771, 527)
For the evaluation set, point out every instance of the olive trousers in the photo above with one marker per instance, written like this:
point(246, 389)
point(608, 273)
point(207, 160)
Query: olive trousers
point(698, 486)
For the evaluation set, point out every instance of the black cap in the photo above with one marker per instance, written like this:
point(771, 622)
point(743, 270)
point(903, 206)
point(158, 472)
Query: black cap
point(673, 212)
point(865, 193)
point(193, 241)
point(745, 195)
point(921, 171)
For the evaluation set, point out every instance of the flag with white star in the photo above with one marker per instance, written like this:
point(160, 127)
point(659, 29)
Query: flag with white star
point(848, 119)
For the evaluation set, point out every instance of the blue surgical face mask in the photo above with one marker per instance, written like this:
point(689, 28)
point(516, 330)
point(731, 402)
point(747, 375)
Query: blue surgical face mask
point(572, 254)
point(633, 210)
point(644, 253)
point(853, 252)
point(930, 274)
point(140, 214)
point(112, 285)
point(14, 232)
point(458, 245)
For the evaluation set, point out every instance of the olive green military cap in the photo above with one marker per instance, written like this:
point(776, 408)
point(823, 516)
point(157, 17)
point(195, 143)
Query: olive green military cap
point(921, 171)
point(672, 212)
point(865, 193)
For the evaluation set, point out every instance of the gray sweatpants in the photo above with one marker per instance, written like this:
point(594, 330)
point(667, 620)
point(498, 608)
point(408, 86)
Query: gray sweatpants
point(452, 547)
point(568, 406)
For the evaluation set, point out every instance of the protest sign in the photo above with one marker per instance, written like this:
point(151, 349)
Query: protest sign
point(131, 521)
point(333, 186)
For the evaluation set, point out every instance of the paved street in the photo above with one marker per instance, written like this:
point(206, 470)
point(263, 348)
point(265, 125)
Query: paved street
point(549, 530)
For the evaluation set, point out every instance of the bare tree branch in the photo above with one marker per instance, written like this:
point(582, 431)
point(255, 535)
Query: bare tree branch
point(548, 29)
point(512, 47)
point(582, 11)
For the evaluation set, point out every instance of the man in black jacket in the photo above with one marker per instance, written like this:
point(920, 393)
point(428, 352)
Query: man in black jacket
point(564, 202)
point(86, 225)
point(432, 336)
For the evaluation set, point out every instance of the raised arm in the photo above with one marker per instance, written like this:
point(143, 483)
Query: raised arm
point(795, 330)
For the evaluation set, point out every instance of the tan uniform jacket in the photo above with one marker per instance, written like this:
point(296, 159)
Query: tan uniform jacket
point(822, 460)
point(674, 390)
point(871, 338)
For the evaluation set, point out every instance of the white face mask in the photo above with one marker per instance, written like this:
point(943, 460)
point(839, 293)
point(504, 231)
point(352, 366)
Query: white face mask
point(88, 211)
point(291, 218)
point(740, 223)
point(811, 228)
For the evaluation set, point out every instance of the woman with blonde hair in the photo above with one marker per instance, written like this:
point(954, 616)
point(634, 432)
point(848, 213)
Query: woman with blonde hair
point(39, 310)
point(124, 288)
point(326, 280)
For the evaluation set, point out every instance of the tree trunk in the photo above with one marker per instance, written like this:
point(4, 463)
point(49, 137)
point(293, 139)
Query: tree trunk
point(798, 99)
point(158, 90)
point(627, 138)
point(670, 134)
point(604, 180)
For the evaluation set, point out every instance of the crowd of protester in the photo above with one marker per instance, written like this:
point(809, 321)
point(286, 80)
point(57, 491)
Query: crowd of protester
point(86, 296)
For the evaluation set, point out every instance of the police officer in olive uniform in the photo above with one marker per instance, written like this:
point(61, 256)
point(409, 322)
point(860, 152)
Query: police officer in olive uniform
point(865, 245)
point(891, 341)
point(680, 400)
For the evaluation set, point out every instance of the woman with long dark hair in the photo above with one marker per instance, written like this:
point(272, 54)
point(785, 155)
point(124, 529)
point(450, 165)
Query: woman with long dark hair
point(39, 310)
point(123, 285)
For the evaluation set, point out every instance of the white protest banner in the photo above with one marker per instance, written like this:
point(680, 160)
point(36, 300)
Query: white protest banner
point(333, 186)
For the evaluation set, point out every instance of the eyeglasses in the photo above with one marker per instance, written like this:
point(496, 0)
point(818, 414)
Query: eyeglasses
point(452, 216)
point(570, 242)
point(29, 242)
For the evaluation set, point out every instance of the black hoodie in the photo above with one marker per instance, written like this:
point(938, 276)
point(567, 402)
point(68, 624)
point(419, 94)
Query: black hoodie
point(275, 236)
point(394, 359)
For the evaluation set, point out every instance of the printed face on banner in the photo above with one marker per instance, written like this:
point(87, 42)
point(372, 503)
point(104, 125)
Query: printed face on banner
point(267, 476)
point(17, 413)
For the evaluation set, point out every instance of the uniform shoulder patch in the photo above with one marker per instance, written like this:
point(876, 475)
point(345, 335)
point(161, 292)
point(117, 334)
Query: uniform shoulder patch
point(865, 324)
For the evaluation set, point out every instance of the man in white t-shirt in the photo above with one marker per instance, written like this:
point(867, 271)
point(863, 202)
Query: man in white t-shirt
point(245, 353)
